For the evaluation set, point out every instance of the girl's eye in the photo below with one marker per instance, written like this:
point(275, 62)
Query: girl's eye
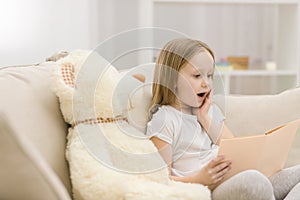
point(199, 76)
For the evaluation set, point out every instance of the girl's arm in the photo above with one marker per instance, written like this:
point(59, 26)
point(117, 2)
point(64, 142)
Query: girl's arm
point(209, 175)
point(215, 130)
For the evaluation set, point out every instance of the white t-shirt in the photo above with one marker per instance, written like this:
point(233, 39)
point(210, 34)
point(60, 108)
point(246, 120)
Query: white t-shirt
point(192, 148)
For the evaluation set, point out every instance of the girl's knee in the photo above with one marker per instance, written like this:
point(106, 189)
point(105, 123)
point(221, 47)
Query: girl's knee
point(247, 185)
point(255, 185)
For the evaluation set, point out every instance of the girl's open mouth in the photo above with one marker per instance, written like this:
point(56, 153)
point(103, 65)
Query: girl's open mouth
point(202, 94)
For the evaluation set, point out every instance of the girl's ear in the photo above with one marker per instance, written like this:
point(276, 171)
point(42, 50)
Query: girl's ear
point(139, 77)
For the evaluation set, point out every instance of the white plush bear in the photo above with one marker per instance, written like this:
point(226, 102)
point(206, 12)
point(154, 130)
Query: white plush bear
point(108, 157)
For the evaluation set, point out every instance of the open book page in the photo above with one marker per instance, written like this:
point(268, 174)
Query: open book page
point(277, 146)
point(266, 153)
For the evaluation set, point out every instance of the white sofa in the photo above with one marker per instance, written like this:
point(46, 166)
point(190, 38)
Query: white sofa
point(33, 132)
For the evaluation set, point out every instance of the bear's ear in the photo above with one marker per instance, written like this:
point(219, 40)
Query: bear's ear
point(139, 77)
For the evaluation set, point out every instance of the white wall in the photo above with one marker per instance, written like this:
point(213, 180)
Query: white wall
point(32, 30)
point(230, 29)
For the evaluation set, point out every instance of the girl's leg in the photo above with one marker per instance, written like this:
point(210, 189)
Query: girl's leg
point(247, 185)
point(284, 181)
point(294, 194)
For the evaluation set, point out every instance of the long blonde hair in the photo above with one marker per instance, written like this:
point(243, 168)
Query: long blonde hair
point(174, 55)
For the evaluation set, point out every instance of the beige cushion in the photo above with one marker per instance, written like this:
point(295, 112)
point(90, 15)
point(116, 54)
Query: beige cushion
point(255, 114)
point(32, 136)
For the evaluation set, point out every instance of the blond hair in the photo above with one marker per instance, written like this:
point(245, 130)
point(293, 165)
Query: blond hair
point(174, 55)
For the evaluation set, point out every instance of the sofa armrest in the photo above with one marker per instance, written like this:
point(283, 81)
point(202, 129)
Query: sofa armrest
point(33, 136)
point(24, 172)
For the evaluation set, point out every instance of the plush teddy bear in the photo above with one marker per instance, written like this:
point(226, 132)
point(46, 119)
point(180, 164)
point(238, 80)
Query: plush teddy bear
point(110, 158)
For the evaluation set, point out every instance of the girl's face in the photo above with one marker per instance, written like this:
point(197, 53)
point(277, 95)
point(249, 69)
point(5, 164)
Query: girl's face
point(195, 81)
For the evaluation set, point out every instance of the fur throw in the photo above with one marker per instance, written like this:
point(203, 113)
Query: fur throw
point(109, 157)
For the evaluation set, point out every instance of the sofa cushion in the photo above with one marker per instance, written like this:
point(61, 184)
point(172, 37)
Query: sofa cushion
point(32, 135)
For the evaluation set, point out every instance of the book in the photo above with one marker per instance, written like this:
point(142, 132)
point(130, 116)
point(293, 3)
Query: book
point(266, 152)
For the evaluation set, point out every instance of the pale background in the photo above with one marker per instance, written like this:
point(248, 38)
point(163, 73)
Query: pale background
point(32, 30)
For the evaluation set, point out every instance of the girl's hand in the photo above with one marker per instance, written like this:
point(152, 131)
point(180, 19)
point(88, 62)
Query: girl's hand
point(214, 171)
point(202, 111)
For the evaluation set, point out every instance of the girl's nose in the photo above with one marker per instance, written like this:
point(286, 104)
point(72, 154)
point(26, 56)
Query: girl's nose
point(204, 83)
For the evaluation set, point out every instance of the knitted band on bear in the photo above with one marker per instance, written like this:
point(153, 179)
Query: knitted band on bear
point(100, 120)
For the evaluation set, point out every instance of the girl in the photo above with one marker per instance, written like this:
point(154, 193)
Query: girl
point(186, 128)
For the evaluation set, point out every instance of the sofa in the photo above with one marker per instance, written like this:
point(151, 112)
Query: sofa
point(33, 131)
